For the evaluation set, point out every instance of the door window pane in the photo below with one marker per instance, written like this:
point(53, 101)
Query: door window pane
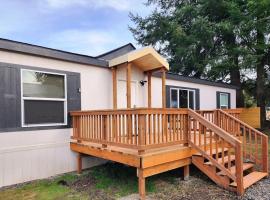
point(191, 99)
point(43, 85)
point(183, 98)
point(174, 99)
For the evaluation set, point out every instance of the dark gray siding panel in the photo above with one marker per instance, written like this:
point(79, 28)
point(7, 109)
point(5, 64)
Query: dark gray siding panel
point(168, 103)
point(229, 100)
point(73, 94)
point(10, 96)
point(218, 99)
point(10, 105)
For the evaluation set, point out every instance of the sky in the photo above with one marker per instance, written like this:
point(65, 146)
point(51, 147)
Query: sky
point(89, 27)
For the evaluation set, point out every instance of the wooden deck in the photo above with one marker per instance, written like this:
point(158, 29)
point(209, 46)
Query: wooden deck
point(158, 140)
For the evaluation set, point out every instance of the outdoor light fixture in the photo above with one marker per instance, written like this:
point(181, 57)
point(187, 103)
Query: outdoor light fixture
point(142, 82)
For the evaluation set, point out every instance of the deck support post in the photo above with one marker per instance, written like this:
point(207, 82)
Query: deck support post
point(265, 154)
point(239, 169)
point(141, 181)
point(79, 163)
point(186, 172)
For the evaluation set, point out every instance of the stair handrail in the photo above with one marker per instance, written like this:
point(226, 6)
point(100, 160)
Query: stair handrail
point(222, 133)
point(235, 142)
point(241, 122)
point(264, 139)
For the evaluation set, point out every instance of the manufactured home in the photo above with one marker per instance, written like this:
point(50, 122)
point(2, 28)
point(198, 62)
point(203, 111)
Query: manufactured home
point(124, 106)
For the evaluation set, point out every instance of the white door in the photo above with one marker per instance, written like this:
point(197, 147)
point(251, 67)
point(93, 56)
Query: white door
point(122, 94)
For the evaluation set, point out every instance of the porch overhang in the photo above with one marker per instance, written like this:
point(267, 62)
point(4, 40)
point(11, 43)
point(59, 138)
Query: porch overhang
point(147, 58)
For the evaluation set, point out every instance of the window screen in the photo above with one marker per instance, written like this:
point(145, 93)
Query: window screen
point(40, 112)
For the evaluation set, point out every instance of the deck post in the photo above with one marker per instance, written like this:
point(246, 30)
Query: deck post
point(186, 172)
point(141, 181)
point(128, 85)
point(114, 77)
point(79, 163)
point(149, 74)
point(239, 169)
point(104, 136)
point(163, 88)
point(265, 154)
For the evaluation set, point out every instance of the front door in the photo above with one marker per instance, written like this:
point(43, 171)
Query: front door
point(122, 94)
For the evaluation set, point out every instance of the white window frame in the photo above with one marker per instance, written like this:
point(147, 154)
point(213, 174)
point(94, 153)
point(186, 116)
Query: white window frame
point(178, 89)
point(44, 99)
point(227, 106)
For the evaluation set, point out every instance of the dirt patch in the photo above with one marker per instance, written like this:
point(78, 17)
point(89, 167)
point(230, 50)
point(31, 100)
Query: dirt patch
point(200, 187)
point(87, 184)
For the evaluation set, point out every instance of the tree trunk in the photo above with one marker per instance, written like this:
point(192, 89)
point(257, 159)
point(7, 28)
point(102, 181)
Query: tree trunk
point(235, 73)
point(235, 80)
point(260, 94)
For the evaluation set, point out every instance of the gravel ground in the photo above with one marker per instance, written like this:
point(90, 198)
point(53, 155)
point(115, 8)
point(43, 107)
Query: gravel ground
point(199, 187)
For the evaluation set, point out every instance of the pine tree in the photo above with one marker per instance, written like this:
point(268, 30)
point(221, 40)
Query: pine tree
point(212, 39)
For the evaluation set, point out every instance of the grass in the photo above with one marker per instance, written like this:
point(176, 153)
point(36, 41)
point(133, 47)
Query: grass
point(48, 189)
point(119, 179)
point(109, 181)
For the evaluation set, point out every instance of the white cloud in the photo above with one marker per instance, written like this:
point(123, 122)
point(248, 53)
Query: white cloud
point(120, 5)
point(89, 42)
point(116, 4)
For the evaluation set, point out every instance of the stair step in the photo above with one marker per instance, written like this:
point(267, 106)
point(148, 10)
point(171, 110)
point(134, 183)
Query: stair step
point(246, 166)
point(213, 151)
point(251, 178)
point(219, 160)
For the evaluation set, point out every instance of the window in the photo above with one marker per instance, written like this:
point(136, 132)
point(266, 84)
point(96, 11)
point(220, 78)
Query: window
point(182, 98)
point(224, 100)
point(44, 98)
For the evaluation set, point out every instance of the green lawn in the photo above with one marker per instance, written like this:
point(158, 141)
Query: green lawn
point(108, 181)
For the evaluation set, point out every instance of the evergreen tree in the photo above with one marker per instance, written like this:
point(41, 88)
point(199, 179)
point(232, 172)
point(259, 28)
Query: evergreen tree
point(212, 39)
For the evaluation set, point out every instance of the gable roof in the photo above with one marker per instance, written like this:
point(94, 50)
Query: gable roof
point(26, 48)
point(147, 58)
point(117, 52)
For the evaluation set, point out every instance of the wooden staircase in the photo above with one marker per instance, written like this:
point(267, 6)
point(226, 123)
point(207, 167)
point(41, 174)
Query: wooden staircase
point(229, 152)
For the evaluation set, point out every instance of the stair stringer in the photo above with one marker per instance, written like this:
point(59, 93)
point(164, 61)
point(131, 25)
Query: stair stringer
point(210, 171)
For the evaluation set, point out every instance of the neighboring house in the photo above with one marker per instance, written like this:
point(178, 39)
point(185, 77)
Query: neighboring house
point(39, 86)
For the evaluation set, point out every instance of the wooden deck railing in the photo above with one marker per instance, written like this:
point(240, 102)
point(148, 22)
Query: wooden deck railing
point(255, 143)
point(132, 128)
